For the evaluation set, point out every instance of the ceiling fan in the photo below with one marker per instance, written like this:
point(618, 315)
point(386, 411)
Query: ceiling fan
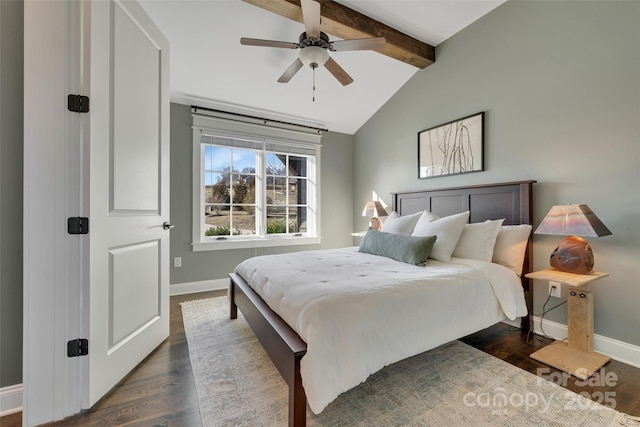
point(314, 46)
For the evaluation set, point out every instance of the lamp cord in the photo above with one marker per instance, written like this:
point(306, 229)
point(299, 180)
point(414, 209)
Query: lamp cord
point(544, 312)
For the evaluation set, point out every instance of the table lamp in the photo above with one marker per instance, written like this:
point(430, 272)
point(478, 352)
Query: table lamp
point(374, 210)
point(574, 254)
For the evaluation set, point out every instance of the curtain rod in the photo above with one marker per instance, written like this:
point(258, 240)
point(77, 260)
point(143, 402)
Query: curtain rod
point(265, 121)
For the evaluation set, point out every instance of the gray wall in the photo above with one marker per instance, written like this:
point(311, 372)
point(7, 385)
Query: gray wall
point(11, 88)
point(560, 85)
point(336, 176)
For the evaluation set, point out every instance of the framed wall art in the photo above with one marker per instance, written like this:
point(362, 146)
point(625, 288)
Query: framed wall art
point(452, 148)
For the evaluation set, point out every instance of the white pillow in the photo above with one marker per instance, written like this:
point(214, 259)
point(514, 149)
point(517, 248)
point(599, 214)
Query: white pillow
point(402, 225)
point(477, 240)
point(447, 230)
point(427, 217)
point(511, 244)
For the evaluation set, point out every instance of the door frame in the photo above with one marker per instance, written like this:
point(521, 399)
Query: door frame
point(56, 41)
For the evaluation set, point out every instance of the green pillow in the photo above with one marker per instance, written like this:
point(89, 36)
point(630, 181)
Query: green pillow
point(410, 249)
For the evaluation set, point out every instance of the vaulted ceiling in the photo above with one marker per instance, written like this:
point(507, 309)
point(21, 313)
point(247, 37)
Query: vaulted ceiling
point(210, 68)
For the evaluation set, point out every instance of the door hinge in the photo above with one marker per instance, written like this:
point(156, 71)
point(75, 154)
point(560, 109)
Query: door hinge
point(78, 103)
point(78, 347)
point(78, 225)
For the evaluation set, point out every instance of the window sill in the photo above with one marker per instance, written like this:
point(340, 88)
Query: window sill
point(254, 243)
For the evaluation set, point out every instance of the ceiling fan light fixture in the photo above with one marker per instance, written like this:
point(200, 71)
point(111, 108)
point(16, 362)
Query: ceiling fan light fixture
point(311, 55)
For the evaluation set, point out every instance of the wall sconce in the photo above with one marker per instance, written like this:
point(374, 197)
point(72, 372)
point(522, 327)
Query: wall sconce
point(574, 254)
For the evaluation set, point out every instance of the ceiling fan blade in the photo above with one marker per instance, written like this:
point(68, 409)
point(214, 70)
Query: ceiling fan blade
point(373, 43)
point(311, 17)
point(268, 43)
point(291, 71)
point(338, 72)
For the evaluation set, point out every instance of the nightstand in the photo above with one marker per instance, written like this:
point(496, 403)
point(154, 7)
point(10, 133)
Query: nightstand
point(575, 356)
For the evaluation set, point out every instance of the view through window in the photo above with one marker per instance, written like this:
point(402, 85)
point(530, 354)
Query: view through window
point(231, 199)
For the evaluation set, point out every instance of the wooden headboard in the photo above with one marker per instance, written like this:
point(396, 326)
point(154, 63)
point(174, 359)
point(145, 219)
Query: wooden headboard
point(510, 200)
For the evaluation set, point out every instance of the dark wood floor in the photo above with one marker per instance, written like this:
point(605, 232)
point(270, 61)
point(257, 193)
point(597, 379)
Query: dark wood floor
point(161, 390)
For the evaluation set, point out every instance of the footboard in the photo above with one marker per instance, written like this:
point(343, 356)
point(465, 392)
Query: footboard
point(282, 344)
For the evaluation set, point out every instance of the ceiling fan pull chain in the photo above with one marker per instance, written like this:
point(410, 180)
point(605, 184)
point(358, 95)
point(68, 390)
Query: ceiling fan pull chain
point(313, 98)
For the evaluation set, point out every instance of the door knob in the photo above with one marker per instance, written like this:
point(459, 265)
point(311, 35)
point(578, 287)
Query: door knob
point(167, 226)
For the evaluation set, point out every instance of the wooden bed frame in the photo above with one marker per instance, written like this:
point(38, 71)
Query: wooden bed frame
point(512, 201)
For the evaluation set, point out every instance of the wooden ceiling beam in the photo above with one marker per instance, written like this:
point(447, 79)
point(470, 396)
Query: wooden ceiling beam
point(345, 23)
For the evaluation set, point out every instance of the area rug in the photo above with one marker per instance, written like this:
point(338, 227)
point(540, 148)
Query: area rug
point(455, 385)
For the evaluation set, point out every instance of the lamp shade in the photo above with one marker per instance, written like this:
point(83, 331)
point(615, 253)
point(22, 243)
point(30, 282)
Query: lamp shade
point(572, 220)
point(374, 209)
point(573, 254)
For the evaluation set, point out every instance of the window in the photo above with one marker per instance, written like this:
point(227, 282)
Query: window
point(286, 193)
point(229, 190)
point(254, 186)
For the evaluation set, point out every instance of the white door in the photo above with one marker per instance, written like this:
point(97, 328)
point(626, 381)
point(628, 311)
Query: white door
point(128, 297)
point(110, 165)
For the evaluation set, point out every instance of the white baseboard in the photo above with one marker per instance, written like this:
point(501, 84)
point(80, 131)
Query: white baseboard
point(201, 286)
point(618, 350)
point(10, 399)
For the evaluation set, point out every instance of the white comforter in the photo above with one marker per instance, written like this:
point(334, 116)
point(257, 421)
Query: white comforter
point(359, 312)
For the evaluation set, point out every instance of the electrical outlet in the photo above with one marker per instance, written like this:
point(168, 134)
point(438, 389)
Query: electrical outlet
point(177, 262)
point(555, 289)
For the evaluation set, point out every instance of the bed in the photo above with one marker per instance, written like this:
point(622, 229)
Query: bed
point(511, 201)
